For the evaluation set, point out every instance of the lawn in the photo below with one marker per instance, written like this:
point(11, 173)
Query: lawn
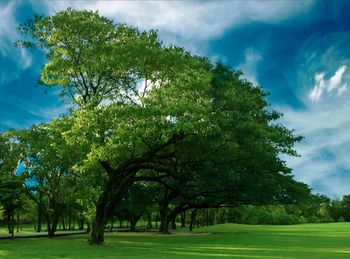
point(227, 240)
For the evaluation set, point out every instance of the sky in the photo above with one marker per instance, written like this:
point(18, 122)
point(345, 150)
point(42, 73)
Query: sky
point(299, 51)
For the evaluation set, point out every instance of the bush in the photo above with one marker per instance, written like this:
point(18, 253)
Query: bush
point(313, 219)
point(285, 219)
point(265, 218)
point(326, 220)
point(341, 219)
point(302, 220)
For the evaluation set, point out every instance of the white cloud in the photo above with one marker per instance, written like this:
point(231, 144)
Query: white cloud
point(324, 162)
point(336, 79)
point(249, 66)
point(316, 93)
point(332, 84)
point(8, 35)
point(324, 152)
point(182, 22)
point(26, 59)
point(342, 89)
point(7, 27)
point(319, 78)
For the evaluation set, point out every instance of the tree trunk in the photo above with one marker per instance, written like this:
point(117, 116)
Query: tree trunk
point(18, 222)
point(193, 216)
point(11, 224)
point(112, 222)
point(132, 223)
point(164, 220)
point(173, 223)
point(81, 224)
point(207, 219)
point(99, 223)
point(70, 219)
point(88, 227)
point(52, 226)
point(157, 219)
point(149, 221)
point(48, 223)
point(50, 232)
point(183, 219)
point(97, 232)
point(108, 200)
point(164, 226)
point(63, 225)
point(40, 212)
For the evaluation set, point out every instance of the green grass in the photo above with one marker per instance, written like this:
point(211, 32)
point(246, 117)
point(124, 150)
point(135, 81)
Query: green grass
point(228, 240)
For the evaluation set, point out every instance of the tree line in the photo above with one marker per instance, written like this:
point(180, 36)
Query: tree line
point(153, 132)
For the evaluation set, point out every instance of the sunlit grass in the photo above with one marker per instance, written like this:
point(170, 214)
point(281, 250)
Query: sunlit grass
point(227, 240)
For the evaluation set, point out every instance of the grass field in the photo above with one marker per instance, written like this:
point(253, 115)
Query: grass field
point(228, 240)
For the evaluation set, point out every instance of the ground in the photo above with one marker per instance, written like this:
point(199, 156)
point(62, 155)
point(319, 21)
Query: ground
point(227, 240)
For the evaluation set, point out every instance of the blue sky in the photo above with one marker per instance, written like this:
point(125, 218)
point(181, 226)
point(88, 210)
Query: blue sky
point(299, 51)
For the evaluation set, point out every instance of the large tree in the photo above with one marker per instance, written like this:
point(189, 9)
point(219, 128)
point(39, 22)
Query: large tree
point(164, 105)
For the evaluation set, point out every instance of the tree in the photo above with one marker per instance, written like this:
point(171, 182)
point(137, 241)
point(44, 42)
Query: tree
point(49, 162)
point(237, 164)
point(134, 204)
point(162, 102)
point(346, 207)
point(11, 183)
point(336, 209)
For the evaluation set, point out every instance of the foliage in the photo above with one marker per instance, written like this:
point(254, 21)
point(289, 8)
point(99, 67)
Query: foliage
point(11, 183)
point(89, 57)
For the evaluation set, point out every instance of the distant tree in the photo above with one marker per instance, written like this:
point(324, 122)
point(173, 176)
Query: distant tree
point(11, 183)
point(346, 207)
point(49, 162)
point(134, 204)
point(336, 209)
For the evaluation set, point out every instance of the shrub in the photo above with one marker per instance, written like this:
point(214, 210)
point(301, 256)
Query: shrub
point(285, 219)
point(313, 219)
point(341, 219)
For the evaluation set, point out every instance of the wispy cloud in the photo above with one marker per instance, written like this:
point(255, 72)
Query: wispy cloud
point(249, 66)
point(320, 82)
point(316, 93)
point(335, 80)
point(332, 84)
point(324, 152)
point(188, 19)
point(325, 126)
point(189, 23)
point(21, 59)
point(342, 89)
point(7, 27)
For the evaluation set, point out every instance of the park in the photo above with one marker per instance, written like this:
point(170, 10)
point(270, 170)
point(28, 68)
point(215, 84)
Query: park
point(161, 154)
